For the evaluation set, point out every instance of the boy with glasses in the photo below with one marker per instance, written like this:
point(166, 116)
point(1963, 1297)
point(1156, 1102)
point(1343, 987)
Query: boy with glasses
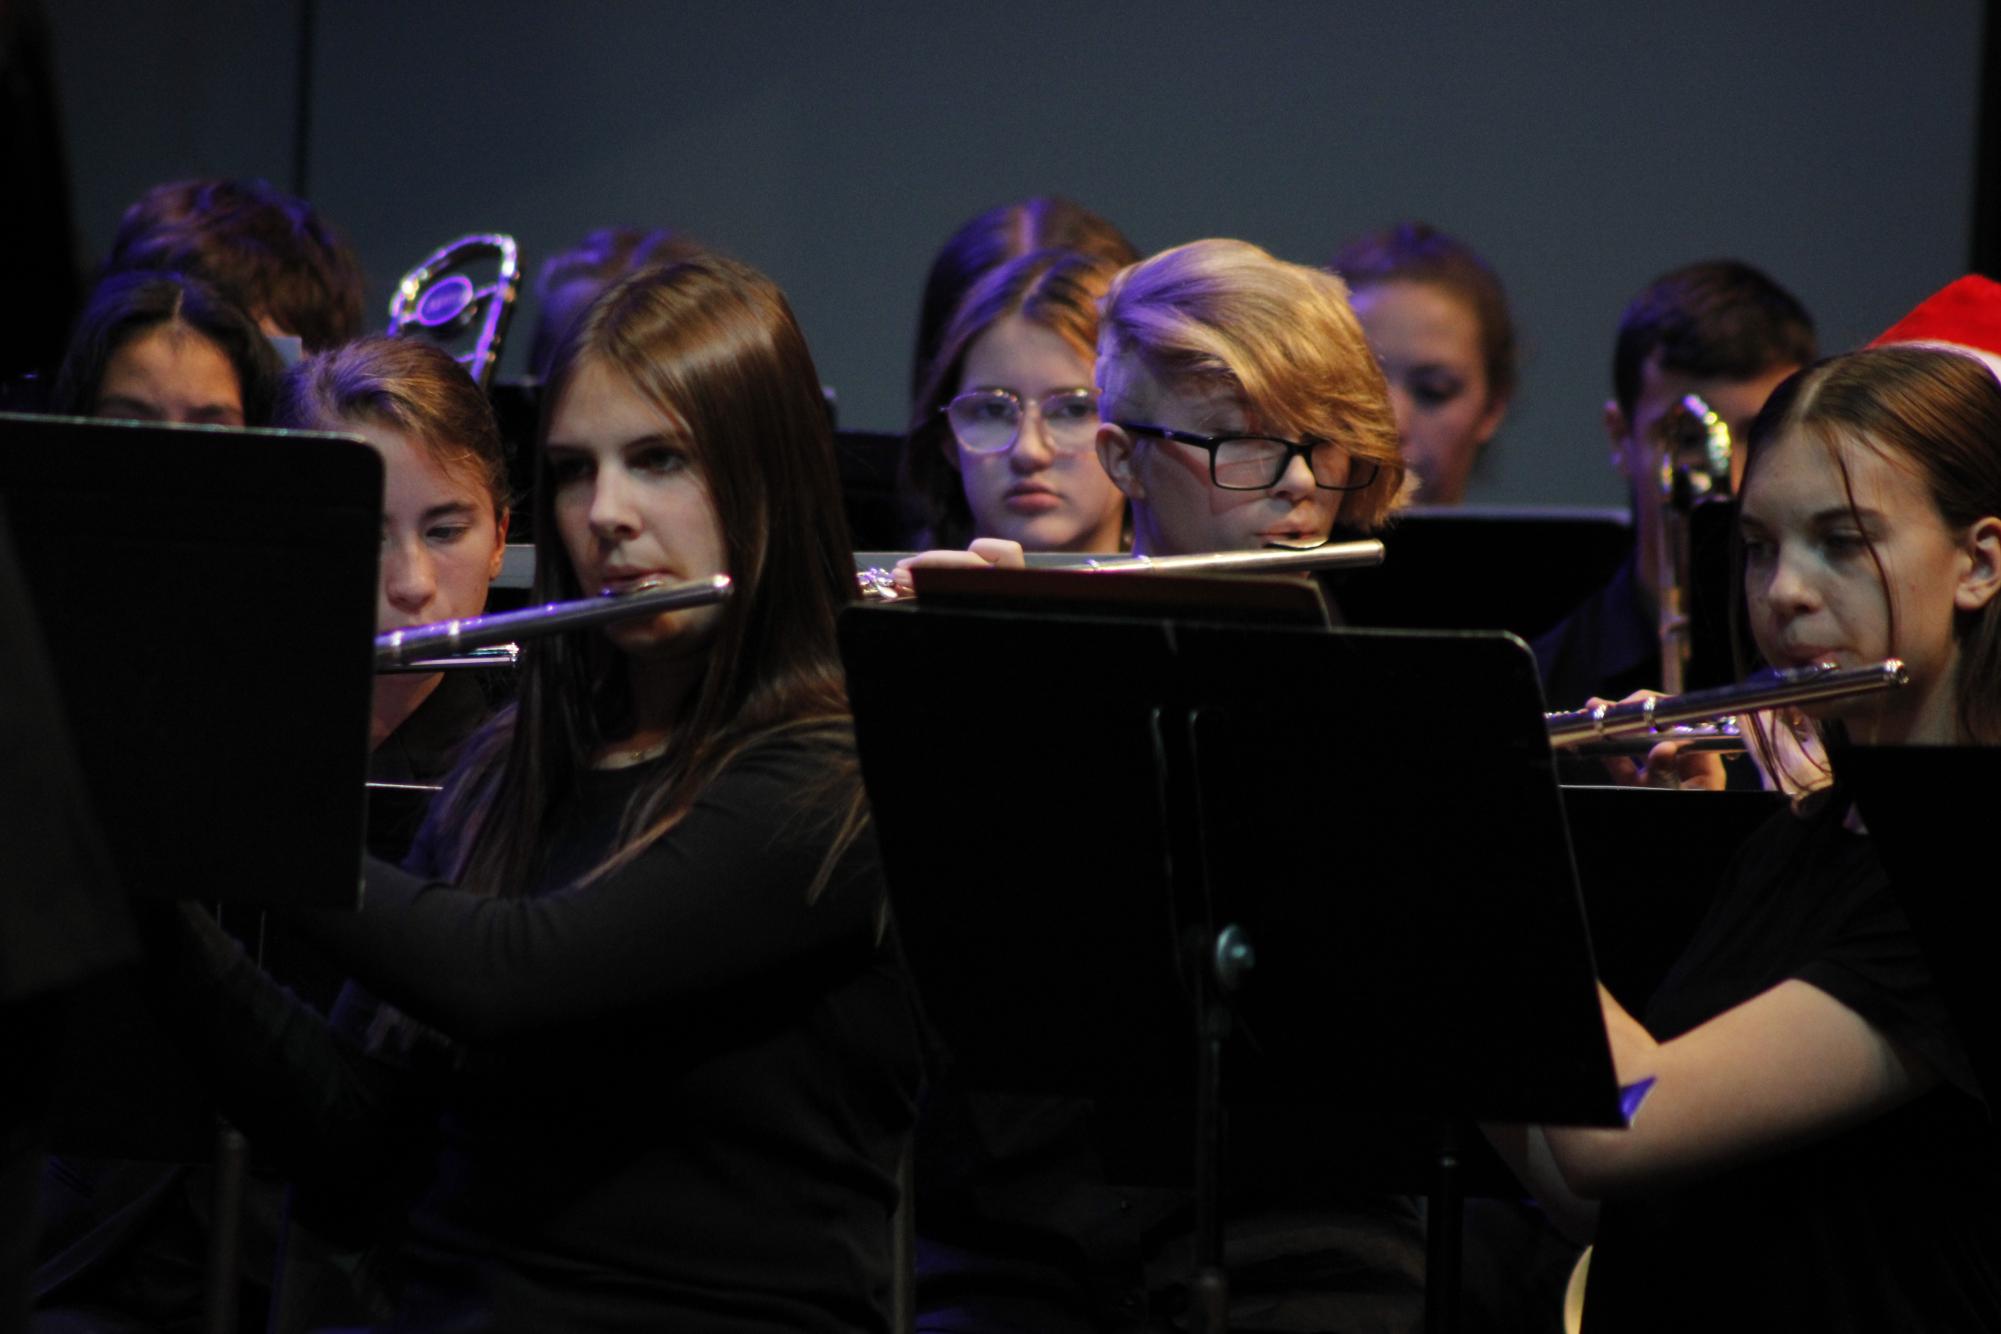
point(1240, 405)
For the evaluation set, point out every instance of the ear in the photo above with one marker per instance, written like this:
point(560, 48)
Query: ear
point(1616, 430)
point(499, 548)
point(1981, 580)
point(1116, 457)
point(1490, 420)
point(950, 448)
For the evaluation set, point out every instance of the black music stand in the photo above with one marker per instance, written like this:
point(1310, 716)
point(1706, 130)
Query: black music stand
point(1137, 817)
point(1469, 568)
point(208, 600)
point(207, 597)
point(1924, 807)
point(61, 917)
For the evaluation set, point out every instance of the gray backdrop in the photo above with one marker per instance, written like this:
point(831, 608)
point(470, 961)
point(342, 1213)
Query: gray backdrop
point(1582, 147)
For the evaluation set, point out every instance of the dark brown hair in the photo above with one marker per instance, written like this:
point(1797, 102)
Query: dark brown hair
point(126, 306)
point(269, 252)
point(713, 344)
point(989, 240)
point(1936, 414)
point(1058, 290)
point(410, 386)
point(596, 262)
point(1720, 318)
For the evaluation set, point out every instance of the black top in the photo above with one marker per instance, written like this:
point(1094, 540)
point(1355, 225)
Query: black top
point(681, 1090)
point(1608, 647)
point(1890, 1225)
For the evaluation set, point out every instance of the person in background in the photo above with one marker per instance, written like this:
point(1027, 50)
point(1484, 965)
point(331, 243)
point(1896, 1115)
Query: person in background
point(1723, 331)
point(444, 523)
point(1437, 318)
point(271, 253)
point(988, 240)
point(571, 279)
point(1003, 442)
point(165, 347)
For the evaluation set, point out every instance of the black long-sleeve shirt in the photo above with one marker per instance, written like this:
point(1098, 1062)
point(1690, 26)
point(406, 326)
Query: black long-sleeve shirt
point(680, 1092)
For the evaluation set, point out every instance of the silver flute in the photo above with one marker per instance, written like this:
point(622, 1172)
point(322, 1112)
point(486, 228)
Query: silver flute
point(425, 648)
point(877, 576)
point(1798, 685)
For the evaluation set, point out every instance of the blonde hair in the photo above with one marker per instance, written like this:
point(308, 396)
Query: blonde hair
point(1280, 336)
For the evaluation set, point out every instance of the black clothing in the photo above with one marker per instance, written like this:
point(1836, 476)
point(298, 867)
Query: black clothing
point(126, 1240)
point(1889, 1225)
point(1608, 647)
point(681, 1091)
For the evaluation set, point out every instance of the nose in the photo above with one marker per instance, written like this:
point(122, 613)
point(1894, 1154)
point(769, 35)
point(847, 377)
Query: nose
point(1789, 589)
point(1032, 449)
point(409, 579)
point(612, 515)
point(1296, 482)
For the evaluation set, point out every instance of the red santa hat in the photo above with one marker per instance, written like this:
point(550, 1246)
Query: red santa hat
point(1964, 315)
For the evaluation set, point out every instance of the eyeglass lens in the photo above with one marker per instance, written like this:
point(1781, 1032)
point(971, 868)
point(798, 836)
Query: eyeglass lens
point(1254, 464)
point(987, 421)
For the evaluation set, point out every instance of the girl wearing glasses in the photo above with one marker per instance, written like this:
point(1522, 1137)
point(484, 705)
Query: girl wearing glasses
point(1003, 441)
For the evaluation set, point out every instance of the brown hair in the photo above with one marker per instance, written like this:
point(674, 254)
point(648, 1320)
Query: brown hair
point(127, 306)
point(410, 386)
point(1937, 414)
point(1717, 319)
point(988, 240)
point(712, 344)
point(1056, 289)
point(1417, 252)
point(1281, 336)
point(270, 252)
point(595, 263)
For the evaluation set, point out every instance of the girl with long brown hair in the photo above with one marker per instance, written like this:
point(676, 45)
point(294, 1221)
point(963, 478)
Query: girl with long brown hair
point(1811, 1150)
point(679, 1060)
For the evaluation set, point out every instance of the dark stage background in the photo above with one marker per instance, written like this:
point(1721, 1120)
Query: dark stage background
point(1583, 147)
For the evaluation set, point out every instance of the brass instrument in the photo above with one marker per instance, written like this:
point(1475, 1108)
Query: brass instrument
point(1695, 468)
point(877, 577)
point(441, 300)
point(1646, 717)
point(432, 647)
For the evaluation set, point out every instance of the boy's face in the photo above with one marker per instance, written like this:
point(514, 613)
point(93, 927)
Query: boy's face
point(1176, 509)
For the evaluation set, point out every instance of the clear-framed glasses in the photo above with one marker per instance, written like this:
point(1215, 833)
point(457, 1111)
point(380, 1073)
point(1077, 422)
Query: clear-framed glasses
point(1256, 462)
point(987, 421)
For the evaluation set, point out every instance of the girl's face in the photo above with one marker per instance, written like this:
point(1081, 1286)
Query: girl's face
point(170, 373)
point(441, 542)
point(1037, 491)
point(1428, 341)
point(632, 506)
point(1813, 592)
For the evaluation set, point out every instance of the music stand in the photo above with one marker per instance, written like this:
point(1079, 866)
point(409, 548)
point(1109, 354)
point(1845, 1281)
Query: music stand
point(1104, 834)
point(207, 597)
point(1463, 568)
point(1923, 807)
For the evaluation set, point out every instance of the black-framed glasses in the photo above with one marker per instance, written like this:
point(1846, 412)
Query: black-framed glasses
point(1256, 462)
point(987, 421)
